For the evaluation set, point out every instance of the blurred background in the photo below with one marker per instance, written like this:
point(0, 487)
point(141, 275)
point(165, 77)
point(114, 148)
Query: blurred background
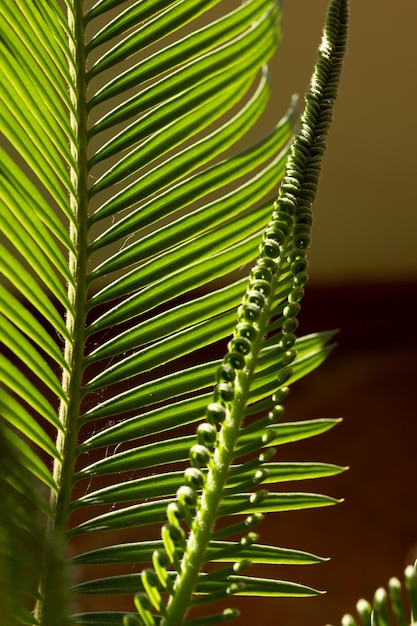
point(366, 217)
point(363, 270)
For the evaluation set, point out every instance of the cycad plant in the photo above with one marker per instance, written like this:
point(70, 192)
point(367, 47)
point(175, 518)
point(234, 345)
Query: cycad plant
point(389, 608)
point(149, 303)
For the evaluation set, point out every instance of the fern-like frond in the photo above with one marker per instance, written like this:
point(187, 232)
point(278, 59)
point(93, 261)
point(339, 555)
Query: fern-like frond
point(130, 212)
point(207, 497)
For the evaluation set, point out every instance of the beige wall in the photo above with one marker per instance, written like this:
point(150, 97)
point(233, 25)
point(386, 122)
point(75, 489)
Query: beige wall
point(366, 210)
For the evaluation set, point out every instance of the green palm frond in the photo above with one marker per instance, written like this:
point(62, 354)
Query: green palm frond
point(131, 213)
point(392, 607)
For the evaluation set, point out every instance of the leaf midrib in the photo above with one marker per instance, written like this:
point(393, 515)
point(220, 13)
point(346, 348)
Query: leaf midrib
point(69, 410)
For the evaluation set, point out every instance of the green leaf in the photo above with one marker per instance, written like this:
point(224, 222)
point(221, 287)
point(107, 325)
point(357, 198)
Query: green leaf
point(18, 383)
point(185, 49)
point(177, 449)
point(185, 161)
point(176, 133)
point(155, 512)
point(167, 484)
point(133, 206)
point(127, 18)
point(131, 583)
point(16, 415)
point(218, 551)
point(100, 618)
point(28, 287)
point(206, 65)
point(33, 255)
point(197, 186)
point(13, 309)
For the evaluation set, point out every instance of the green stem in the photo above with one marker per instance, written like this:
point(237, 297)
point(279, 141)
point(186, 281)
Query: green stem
point(218, 470)
point(298, 191)
point(51, 609)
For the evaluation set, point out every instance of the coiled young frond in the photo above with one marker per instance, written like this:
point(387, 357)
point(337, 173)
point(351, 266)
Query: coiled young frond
point(389, 608)
point(212, 483)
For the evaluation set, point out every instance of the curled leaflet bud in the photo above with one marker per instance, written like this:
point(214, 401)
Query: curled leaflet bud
point(225, 392)
point(215, 413)
point(276, 234)
point(150, 583)
point(290, 325)
point(206, 435)
point(236, 360)
point(296, 255)
point(269, 264)
point(296, 295)
point(289, 357)
point(269, 249)
point(172, 538)
point(240, 566)
point(199, 455)
point(225, 373)
point(284, 375)
point(240, 345)
point(249, 312)
point(262, 286)
point(258, 496)
point(275, 413)
point(287, 341)
point(306, 217)
point(291, 310)
point(260, 475)
point(249, 539)
point(301, 279)
point(299, 265)
point(268, 436)
point(260, 272)
point(267, 455)
point(254, 519)
point(160, 562)
point(235, 588)
point(246, 330)
point(174, 514)
point(143, 607)
point(194, 477)
point(186, 496)
point(281, 394)
point(284, 223)
point(256, 297)
point(286, 206)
